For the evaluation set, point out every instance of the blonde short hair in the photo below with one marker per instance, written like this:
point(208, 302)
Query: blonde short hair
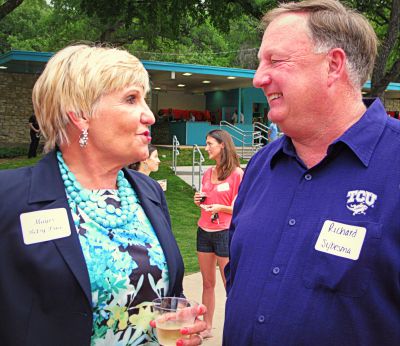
point(74, 80)
point(332, 25)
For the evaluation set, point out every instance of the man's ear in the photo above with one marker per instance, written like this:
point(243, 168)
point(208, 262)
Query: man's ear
point(80, 122)
point(337, 64)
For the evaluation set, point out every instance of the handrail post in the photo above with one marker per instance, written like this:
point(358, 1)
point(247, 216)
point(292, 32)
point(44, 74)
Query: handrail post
point(194, 162)
point(200, 170)
point(173, 156)
point(243, 145)
point(175, 153)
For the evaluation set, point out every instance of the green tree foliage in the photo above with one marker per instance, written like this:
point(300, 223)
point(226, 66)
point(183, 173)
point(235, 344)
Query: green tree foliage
point(148, 20)
point(212, 32)
point(37, 26)
point(385, 17)
point(21, 28)
point(203, 32)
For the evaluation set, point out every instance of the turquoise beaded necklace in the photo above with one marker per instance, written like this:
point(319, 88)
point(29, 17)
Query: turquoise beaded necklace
point(106, 215)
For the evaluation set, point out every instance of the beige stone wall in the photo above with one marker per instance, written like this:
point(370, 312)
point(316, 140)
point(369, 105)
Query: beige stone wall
point(15, 107)
point(392, 104)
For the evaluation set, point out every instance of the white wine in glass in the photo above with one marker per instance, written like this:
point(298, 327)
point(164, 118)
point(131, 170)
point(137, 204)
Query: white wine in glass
point(171, 314)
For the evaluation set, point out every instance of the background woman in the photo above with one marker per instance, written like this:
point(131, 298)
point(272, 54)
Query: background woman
point(150, 164)
point(220, 185)
point(86, 245)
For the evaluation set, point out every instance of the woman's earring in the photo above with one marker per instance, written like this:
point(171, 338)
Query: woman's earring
point(83, 138)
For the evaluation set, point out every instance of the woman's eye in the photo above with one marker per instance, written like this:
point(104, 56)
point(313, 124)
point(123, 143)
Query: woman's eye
point(131, 99)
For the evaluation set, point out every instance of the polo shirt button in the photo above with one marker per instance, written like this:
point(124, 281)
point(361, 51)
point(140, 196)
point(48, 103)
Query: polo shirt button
point(292, 222)
point(261, 319)
point(276, 270)
point(308, 177)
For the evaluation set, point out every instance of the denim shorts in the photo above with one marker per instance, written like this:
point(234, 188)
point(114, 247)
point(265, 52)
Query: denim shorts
point(213, 242)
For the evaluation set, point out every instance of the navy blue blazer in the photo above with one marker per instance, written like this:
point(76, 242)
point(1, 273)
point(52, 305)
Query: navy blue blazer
point(44, 287)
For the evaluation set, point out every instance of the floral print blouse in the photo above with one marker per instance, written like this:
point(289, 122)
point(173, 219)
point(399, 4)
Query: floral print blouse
point(127, 270)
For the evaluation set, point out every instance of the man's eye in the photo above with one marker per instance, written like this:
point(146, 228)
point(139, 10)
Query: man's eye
point(275, 61)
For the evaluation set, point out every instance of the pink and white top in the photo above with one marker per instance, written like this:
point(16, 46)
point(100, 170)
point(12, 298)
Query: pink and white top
point(222, 193)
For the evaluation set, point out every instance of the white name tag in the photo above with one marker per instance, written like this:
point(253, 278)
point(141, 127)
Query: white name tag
point(163, 184)
point(44, 225)
point(223, 187)
point(341, 240)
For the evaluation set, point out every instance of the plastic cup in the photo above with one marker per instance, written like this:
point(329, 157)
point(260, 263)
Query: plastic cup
point(171, 314)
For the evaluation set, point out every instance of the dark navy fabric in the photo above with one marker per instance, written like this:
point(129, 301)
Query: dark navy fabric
point(45, 287)
point(281, 291)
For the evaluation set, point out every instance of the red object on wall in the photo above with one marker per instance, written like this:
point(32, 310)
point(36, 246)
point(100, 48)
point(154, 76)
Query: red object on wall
point(183, 114)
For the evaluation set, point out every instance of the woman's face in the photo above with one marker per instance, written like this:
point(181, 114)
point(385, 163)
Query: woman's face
point(213, 148)
point(153, 161)
point(118, 130)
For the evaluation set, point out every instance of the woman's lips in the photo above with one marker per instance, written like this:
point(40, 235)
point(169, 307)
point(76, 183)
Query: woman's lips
point(147, 135)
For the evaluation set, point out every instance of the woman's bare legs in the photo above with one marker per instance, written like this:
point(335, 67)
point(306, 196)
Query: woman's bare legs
point(207, 262)
point(222, 262)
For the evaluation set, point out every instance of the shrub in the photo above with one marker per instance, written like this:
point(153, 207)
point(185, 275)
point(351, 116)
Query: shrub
point(13, 152)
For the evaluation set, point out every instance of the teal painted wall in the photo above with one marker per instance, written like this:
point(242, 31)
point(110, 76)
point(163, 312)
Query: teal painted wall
point(178, 128)
point(218, 100)
point(222, 101)
point(196, 133)
point(250, 96)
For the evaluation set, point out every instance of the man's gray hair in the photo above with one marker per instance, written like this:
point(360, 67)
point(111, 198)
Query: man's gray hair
point(333, 25)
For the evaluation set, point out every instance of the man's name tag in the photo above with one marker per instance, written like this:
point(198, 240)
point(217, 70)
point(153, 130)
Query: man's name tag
point(341, 240)
point(44, 225)
point(223, 187)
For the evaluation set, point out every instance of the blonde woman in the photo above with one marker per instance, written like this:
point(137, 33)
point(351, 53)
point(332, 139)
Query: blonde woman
point(85, 244)
point(219, 189)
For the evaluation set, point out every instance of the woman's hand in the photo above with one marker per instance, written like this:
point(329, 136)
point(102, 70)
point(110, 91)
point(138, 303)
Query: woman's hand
point(197, 198)
point(214, 208)
point(218, 208)
point(192, 332)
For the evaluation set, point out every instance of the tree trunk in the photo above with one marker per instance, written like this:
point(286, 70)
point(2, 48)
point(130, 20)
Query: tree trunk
point(8, 7)
point(380, 77)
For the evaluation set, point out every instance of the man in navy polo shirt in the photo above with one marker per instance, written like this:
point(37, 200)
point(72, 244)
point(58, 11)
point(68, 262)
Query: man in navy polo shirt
point(315, 234)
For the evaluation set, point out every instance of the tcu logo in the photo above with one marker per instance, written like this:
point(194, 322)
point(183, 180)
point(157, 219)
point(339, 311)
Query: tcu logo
point(358, 201)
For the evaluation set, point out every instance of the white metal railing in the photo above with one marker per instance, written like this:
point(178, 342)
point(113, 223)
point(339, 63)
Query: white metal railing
point(175, 152)
point(197, 161)
point(245, 138)
point(264, 131)
point(262, 138)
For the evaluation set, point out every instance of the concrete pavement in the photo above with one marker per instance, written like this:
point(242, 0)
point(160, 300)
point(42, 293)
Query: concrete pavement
point(192, 287)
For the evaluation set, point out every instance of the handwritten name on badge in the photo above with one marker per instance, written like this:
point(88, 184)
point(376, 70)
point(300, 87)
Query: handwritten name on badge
point(341, 240)
point(44, 225)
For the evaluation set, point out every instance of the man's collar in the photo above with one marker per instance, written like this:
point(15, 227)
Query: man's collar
point(364, 135)
point(361, 138)
point(283, 146)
